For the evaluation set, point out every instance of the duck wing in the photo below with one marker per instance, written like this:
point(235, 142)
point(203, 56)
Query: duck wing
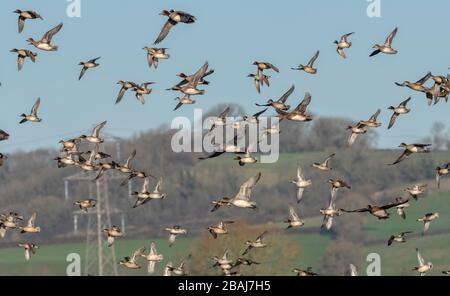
point(21, 23)
point(31, 220)
point(158, 185)
point(301, 108)
point(83, 71)
point(341, 52)
point(286, 95)
point(246, 188)
point(344, 37)
point(402, 157)
point(199, 75)
point(391, 37)
point(327, 222)
point(313, 59)
point(165, 30)
point(420, 258)
point(293, 214)
point(424, 79)
point(49, 35)
point(35, 107)
point(392, 120)
point(130, 158)
point(153, 248)
point(20, 62)
point(224, 113)
point(151, 267)
point(96, 130)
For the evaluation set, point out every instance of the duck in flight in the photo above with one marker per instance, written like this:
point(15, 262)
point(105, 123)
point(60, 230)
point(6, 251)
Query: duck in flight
point(294, 220)
point(174, 18)
point(280, 104)
point(301, 182)
point(154, 55)
point(94, 137)
point(325, 165)
point(423, 267)
point(242, 198)
point(399, 110)
point(411, 149)
point(427, 221)
point(26, 15)
point(401, 207)
point(33, 116)
point(442, 170)
point(22, 54)
point(417, 190)
point(46, 42)
point(309, 68)
point(399, 238)
point(88, 65)
point(342, 44)
point(299, 113)
point(379, 212)
point(386, 48)
point(256, 244)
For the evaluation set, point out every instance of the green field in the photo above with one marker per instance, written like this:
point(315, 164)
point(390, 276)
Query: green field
point(397, 259)
point(51, 259)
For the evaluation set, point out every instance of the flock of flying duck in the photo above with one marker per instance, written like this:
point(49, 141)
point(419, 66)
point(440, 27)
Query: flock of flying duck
point(94, 160)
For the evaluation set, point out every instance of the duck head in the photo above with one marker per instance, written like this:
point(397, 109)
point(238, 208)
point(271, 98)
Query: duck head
point(181, 75)
point(31, 41)
point(18, 11)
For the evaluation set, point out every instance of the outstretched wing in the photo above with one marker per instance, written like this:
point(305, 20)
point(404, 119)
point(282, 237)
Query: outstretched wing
point(286, 95)
point(313, 59)
point(293, 214)
point(344, 37)
point(261, 236)
point(402, 157)
point(420, 258)
point(96, 131)
point(31, 220)
point(137, 253)
point(165, 30)
point(304, 104)
point(327, 222)
point(424, 79)
point(390, 38)
point(246, 188)
point(300, 175)
point(199, 75)
point(375, 116)
point(130, 158)
point(36, 107)
point(392, 120)
point(153, 248)
point(49, 35)
point(405, 102)
point(145, 185)
point(158, 185)
point(83, 71)
point(224, 113)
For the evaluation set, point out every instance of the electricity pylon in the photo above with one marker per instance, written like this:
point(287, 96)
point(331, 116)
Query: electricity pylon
point(99, 258)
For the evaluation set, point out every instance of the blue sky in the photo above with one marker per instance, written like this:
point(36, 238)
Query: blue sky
point(230, 35)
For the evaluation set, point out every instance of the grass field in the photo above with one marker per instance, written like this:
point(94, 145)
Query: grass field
point(51, 259)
